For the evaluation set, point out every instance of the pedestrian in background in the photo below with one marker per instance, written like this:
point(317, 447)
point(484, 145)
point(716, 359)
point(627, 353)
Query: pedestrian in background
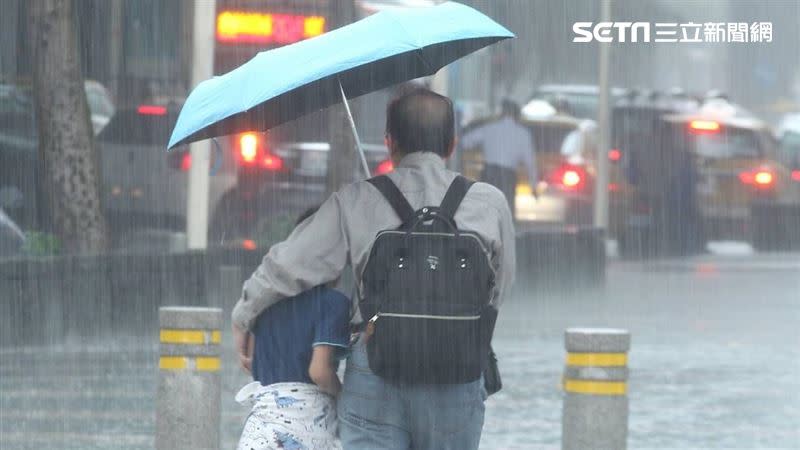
point(506, 145)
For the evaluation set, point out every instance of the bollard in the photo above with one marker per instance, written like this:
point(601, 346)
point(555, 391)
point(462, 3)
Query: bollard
point(595, 414)
point(188, 402)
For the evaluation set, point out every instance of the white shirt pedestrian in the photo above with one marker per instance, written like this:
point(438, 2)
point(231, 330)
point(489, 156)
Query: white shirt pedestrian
point(506, 143)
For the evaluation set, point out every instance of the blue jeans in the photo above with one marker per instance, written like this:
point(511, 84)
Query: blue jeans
point(374, 414)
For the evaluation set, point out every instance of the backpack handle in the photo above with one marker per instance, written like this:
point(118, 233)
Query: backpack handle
point(432, 213)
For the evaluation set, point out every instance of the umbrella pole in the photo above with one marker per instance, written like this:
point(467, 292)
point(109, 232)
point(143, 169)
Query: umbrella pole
point(355, 132)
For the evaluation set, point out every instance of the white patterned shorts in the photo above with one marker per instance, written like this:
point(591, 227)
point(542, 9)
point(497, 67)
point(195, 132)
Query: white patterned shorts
point(288, 416)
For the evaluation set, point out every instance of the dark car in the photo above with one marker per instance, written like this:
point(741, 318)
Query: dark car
point(704, 175)
point(280, 174)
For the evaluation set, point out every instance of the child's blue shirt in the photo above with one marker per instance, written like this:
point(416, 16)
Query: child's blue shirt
point(286, 333)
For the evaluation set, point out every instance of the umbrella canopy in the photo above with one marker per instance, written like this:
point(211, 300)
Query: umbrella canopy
point(381, 50)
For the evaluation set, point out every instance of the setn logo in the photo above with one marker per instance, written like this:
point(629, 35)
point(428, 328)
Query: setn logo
point(605, 32)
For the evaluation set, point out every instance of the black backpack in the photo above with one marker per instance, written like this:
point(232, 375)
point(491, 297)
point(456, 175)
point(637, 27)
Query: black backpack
point(427, 287)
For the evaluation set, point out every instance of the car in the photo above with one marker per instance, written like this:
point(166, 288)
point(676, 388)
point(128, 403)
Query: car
point(281, 173)
point(144, 187)
point(554, 227)
point(731, 169)
point(580, 100)
point(565, 154)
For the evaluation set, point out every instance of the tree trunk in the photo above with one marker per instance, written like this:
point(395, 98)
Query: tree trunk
point(71, 174)
point(343, 156)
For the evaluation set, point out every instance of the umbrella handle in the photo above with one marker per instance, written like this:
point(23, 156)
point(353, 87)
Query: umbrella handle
point(353, 127)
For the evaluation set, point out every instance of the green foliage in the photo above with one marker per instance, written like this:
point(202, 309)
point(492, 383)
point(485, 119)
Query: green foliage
point(272, 230)
point(41, 244)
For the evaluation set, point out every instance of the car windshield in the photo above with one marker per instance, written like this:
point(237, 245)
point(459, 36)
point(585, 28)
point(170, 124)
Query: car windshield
point(550, 138)
point(728, 143)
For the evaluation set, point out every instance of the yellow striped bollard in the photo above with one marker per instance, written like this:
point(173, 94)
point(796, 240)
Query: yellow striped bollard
point(188, 402)
point(595, 414)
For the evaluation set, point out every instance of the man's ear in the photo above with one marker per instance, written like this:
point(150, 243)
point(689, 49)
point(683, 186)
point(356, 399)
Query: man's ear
point(394, 154)
point(452, 148)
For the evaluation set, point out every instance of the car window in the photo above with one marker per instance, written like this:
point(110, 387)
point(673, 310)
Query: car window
point(728, 143)
point(790, 148)
point(549, 138)
point(579, 105)
point(132, 128)
point(99, 103)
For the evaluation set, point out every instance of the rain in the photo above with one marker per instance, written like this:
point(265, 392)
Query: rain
point(659, 200)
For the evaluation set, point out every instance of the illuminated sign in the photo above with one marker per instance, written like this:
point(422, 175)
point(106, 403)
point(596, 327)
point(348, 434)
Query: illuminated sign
point(240, 27)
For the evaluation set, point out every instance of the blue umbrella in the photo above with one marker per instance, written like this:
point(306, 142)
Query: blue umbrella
point(283, 84)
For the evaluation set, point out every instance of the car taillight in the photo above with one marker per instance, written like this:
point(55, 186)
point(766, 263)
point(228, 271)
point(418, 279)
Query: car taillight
point(614, 155)
point(761, 178)
point(186, 161)
point(272, 162)
point(704, 126)
point(384, 167)
point(569, 177)
point(152, 110)
point(248, 147)
point(796, 175)
point(180, 160)
point(254, 152)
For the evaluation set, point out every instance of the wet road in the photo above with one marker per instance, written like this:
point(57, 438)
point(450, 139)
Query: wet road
point(715, 363)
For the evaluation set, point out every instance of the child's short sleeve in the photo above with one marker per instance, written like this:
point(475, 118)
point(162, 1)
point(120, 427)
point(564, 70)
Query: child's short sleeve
point(332, 319)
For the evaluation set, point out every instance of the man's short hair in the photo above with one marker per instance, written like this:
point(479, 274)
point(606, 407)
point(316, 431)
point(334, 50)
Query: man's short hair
point(421, 120)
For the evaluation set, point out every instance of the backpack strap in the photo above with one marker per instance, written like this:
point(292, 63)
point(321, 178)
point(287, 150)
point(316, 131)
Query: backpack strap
point(389, 190)
point(455, 194)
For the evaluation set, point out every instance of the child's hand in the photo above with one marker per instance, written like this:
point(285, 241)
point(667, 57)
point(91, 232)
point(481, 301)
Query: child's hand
point(244, 343)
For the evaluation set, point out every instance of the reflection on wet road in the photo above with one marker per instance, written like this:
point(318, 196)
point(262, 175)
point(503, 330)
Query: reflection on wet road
point(714, 364)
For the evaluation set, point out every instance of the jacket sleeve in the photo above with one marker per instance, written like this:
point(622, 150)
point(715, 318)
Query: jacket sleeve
point(314, 254)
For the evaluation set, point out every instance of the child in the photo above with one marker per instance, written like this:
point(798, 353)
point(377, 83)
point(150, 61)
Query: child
point(294, 368)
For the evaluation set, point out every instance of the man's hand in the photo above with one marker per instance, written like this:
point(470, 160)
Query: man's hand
point(244, 343)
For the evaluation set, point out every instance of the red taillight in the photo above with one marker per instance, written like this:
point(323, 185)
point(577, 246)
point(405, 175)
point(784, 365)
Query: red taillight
point(248, 147)
point(152, 110)
point(249, 244)
point(704, 126)
point(796, 175)
point(614, 155)
point(186, 161)
point(385, 167)
point(761, 178)
point(569, 177)
point(272, 162)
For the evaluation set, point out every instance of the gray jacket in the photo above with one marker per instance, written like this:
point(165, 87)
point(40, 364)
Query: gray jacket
point(341, 233)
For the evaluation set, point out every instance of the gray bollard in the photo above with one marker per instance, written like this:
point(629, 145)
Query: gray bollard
point(595, 414)
point(188, 402)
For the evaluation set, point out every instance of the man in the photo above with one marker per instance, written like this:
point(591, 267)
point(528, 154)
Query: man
point(506, 145)
point(372, 412)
